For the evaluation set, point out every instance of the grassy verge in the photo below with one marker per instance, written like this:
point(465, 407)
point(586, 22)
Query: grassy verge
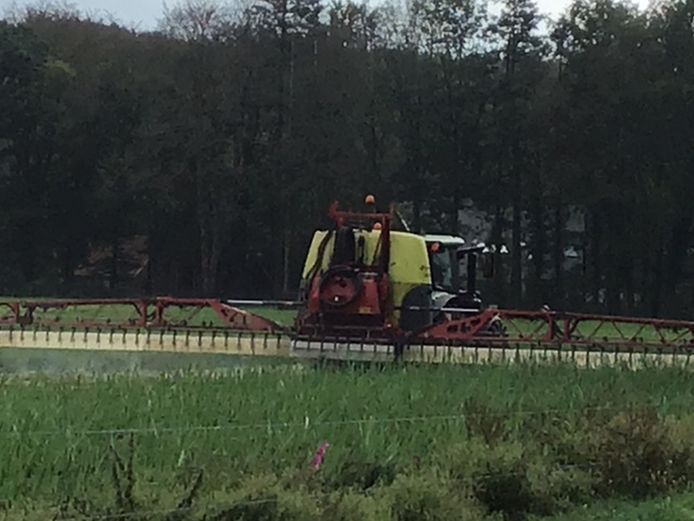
point(677, 508)
point(405, 443)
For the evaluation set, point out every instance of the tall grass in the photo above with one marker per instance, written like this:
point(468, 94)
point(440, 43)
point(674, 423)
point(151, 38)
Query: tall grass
point(58, 435)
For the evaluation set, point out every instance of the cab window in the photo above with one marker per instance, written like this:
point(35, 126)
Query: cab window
point(441, 268)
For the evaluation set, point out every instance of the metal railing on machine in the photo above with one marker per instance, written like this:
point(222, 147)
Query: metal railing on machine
point(497, 327)
point(160, 312)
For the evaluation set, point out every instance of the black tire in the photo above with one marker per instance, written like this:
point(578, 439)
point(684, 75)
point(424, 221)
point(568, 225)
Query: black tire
point(496, 328)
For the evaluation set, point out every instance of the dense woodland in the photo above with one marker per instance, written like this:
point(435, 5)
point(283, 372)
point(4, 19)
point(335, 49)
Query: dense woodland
point(223, 136)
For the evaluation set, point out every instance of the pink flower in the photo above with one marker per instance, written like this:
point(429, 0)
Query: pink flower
point(318, 458)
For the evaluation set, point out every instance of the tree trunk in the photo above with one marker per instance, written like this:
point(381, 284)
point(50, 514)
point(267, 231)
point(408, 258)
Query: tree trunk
point(210, 253)
point(676, 255)
point(285, 264)
point(148, 280)
point(113, 271)
point(26, 247)
point(453, 217)
point(417, 215)
point(628, 278)
point(209, 229)
point(209, 268)
point(516, 254)
point(596, 255)
point(657, 280)
point(538, 249)
point(612, 261)
point(516, 231)
point(558, 253)
point(68, 263)
point(499, 272)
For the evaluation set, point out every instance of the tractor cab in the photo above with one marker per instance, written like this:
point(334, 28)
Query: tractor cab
point(454, 267)
point(443, 258)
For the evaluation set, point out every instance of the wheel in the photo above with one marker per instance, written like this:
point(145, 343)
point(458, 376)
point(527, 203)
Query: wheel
point(496, 328)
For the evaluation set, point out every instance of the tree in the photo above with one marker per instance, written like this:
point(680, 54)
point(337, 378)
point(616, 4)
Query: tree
point(197, 20)
point(522, 52)
point(27, 132)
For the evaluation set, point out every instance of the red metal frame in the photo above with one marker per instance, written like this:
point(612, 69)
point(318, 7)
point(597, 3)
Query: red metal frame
point(368, 308)
point(148, 313)
point(560, 329)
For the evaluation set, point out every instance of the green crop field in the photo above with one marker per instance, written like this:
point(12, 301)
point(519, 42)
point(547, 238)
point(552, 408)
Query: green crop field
point(439, 443)
point(284, 317)
point(676, 508)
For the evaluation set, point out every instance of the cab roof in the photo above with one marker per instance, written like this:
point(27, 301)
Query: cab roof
point(449, 240)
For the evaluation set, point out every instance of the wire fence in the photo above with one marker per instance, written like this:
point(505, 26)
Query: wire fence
point(306, 423)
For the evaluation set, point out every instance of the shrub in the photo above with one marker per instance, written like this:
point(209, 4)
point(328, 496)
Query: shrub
point(515, 479)
point(501, 481)
point(429, 497)
point(636, 455)
point(484, 422)
point(363, 473)
point(556, 488)
point(354, 506)
point(263, 498)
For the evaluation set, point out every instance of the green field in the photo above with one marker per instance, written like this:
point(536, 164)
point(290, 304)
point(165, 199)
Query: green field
point(679, 507)
point(284, 317)
point(474, 443)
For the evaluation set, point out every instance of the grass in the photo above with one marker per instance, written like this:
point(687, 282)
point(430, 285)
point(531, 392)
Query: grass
point(434, 440)
point(284, 317)
point(56, 362)
point(677, 508)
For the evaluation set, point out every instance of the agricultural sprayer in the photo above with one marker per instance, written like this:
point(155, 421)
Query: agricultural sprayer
point(368, 291)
